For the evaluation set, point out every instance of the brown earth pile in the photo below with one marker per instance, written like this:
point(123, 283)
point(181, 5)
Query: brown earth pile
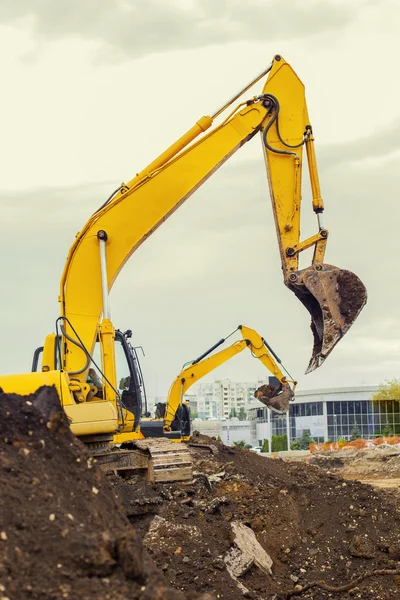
point(313, 525)
point(69, 531)
point(62, 532)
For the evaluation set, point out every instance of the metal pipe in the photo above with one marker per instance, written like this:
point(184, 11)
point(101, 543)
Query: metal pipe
point(242, 91)
point(104, 280)
point(288, 428)
point(320, 221)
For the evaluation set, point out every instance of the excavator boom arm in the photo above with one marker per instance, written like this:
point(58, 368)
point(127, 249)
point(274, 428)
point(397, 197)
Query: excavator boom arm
point(139, 207)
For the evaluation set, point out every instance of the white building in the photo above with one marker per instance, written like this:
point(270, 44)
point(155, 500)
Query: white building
point(227, 430)
point(222, 398)
point(331, 413)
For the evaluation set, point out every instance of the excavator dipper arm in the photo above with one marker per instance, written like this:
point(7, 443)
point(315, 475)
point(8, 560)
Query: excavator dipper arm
point(277, 397)
point(333, 297)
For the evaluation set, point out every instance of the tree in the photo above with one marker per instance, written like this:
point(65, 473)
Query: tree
point(232, 413)
point(193, 415)
point(279, 443)
point(265, 446)
point(388, 431)
point(242, 416)
point(294, 445)
point(305, 440)
point(390, 390)
point(355, 433)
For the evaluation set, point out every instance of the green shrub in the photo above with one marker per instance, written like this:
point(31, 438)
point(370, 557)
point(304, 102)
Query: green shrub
point(388, 431)
point(265, 446)
point(305, 440)
point(355, 433)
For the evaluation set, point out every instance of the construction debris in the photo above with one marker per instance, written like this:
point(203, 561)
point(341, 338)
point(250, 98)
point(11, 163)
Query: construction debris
point(378, 465)
point(246, 526)
point(246, 541)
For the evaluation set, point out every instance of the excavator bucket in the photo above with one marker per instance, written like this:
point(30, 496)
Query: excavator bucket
point(276, 397)
point(334, 298)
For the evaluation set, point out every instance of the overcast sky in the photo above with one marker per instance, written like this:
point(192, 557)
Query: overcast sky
point(92, 91)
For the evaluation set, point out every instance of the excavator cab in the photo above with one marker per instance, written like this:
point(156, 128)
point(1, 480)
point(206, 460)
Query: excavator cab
point(181, 421)
point(129, 374)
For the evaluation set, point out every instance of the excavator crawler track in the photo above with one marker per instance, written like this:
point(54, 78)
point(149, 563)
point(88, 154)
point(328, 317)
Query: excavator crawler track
point(162, 461)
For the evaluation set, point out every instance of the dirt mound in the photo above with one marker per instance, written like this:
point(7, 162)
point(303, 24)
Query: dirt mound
point(63, 534)
point(313, 525)
point(372, 463)
point(247, 526)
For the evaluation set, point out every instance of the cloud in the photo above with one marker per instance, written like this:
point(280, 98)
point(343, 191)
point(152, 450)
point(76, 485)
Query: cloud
point(134, 28)
point(377, 145)
point(212, 265)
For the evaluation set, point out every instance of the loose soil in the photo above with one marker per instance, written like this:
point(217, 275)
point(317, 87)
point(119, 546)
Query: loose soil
point(378, 466)
point(63, 534)
point(69, 531)
point(313, 524)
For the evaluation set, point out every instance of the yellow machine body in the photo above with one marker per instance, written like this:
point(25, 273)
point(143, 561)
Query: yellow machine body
point(111, 235)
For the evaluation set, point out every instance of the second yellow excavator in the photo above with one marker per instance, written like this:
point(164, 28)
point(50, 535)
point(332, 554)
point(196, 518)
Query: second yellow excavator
point(174, 414)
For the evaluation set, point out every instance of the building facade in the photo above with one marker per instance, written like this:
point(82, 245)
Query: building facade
point(221, 399)
point(228, 431)
point(328, 414)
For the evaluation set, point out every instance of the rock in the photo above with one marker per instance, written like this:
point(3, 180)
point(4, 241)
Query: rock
point(215, 505)
point(219, 564)
point(394, 551)
point(246, 541)
point(361, 547)
point(237, 563)
point(162, 534)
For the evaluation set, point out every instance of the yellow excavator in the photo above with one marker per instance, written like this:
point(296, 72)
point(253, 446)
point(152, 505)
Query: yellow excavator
point(174, 414)
point(85, 336)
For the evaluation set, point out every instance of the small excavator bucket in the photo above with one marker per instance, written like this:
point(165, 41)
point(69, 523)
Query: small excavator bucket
point(334, 298)
point(276, 397)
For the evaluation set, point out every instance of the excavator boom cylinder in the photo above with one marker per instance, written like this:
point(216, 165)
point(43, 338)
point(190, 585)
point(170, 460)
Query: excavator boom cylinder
point(334, 297)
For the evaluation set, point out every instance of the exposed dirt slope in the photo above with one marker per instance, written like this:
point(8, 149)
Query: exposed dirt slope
point(66, 528)
point(312, 524)
point(62, 532)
